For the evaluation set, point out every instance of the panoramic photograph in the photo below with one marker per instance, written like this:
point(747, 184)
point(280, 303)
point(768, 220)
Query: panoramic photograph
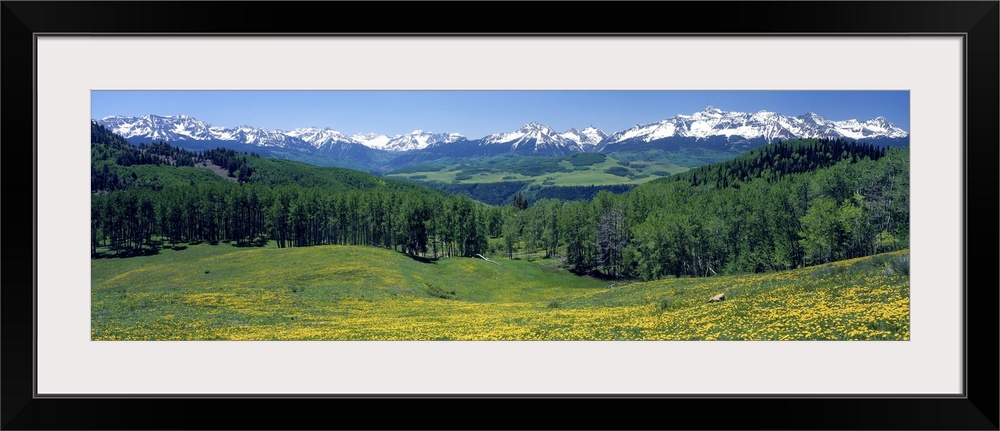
point(454, 215)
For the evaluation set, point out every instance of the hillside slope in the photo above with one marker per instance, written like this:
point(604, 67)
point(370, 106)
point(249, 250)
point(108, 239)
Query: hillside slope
point(366, 293)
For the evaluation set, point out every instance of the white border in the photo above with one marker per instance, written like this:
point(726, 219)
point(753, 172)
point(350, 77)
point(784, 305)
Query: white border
point(70, 67)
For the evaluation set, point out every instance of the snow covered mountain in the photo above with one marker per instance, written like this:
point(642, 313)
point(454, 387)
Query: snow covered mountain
point(587, 139)
point(319, 138)
point(710, 128)
point(419, 139)
point(539, 139)
point(258, 137)
point(157, 127)
point(416, 140)
point(744, 129)
point(181, 128)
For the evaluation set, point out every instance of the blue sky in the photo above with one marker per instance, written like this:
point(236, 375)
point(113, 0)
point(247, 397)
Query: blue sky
point(479, 113)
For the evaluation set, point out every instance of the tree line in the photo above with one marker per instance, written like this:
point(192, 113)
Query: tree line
point(137, 221)
point(831, 200)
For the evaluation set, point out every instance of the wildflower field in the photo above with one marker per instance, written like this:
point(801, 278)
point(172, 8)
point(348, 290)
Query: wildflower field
point(364, 293)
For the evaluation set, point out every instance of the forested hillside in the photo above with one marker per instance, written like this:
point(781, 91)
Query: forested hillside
point(785, 205)
point(143, 200)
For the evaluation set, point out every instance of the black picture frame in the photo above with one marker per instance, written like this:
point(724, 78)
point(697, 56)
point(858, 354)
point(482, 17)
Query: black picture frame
point(976, 21)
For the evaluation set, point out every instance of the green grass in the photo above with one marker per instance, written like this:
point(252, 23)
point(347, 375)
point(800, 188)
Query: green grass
point(681, 157)
point(210, 292)
point(593, 174)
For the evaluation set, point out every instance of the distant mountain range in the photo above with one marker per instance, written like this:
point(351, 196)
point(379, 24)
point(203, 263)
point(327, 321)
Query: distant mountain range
point(710, 128)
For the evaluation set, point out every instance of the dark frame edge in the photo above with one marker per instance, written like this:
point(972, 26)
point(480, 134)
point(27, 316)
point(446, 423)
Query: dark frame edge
point(978, 409)
point(17, 331)
point(982, 92)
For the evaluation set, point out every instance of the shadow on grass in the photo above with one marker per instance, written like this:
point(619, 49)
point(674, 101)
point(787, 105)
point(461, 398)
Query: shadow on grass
point(420, 259)
point(258, 242)
point(125, 254)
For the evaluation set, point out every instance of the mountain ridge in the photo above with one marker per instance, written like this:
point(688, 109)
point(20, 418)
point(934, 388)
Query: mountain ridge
point(712, 128)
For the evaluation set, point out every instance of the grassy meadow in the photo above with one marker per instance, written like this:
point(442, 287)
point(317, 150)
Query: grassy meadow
point(634, 172)
point(221, 292)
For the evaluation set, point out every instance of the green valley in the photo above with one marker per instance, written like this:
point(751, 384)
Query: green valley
point(582, 169)
point(807, 239)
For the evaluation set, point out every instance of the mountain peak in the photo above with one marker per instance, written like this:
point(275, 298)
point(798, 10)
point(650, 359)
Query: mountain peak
point(710, 112)
point(586, 139)
point(534, 125)
point(533, 138)
point(814, 118)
